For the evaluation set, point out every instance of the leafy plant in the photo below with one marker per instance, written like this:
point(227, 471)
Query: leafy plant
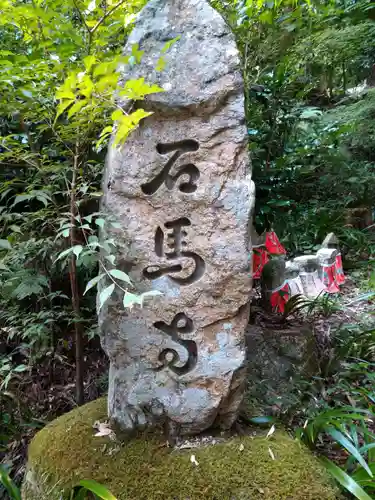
point(342, 419)
point(88, 485)
point(322, 304)
point(346, 481)
point(13, 491)
point(60, 137)
point(80, 492)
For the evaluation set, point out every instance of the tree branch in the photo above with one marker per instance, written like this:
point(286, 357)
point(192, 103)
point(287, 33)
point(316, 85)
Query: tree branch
point(106, 15)
point(82, 17)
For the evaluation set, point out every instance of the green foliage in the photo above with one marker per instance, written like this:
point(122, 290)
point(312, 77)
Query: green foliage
point(323, 304)
point(97, 489)
point(345, 480)
point(299, 59)
point(11, 488)
point(58, 76)
point(343, 409)
point(78, 493)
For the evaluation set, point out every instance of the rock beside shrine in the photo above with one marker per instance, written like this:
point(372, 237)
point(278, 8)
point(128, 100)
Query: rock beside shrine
point(279, 356)
point(144, 468)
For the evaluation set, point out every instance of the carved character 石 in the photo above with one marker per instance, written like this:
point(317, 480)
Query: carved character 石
point(188, 169)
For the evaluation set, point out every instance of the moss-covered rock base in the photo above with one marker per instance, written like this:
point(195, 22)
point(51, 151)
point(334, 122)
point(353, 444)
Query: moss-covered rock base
point(66, 451)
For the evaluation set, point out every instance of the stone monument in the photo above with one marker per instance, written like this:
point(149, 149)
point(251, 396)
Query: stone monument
point(182, 191)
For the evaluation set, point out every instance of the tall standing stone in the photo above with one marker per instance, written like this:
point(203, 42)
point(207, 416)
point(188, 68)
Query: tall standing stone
point(182, 191)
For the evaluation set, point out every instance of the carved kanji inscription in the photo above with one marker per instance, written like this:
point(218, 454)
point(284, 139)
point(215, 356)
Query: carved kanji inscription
point(176, 242)
point(188, 169)
point(181, 324)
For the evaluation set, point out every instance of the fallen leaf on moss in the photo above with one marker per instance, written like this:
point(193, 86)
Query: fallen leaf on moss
point(271, 431)
point(103, 429)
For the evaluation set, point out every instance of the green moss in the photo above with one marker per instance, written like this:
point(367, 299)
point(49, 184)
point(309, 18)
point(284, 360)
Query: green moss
point(67, 451)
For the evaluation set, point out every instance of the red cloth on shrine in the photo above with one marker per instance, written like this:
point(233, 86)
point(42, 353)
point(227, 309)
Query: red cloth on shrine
point(260, 259)
point(329, 278)
point(280, 297)
point(340, 276)
point(273, 244)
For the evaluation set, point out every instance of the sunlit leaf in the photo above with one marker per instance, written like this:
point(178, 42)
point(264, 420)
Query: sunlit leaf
point(128, 123)
point(98, 489)
point(5, 245)
point(65, 94)
point(105, 294)
point(130, 299)
point(160, 65)
point(169, 44)
point(89, 61)
point(77, 249)
point(117, 115)
point(100, 222)
point(120, 275)
point(77, 106)
point(63, 106)
point(93, 282)
point(136, 53)
point(138, 89)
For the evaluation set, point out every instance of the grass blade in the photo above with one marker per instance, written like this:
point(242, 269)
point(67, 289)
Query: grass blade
point(345, 480)
point(362, 477)
point(340, 438)
point(10, 486)
point(98, 489)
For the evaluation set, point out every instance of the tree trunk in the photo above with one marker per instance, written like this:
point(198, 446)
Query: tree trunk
point(75, 290)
